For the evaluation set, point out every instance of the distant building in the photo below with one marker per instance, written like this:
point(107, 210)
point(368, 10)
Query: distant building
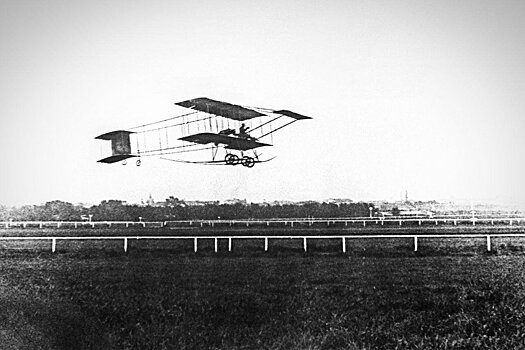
point(339, 201)
point(236, 201)
point(403, 208)
point(199, 203)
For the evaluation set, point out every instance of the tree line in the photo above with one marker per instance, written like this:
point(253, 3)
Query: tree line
point(116, 210)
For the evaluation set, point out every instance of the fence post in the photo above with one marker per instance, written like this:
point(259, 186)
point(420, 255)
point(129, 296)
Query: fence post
point(265, 244)
point(229, 244)
point(53, 245)
point(304, 243)
point(215, 245)
point(195, 245)
point(415, 243)
point(344, 245)
point(488, 243)
point(125, 244)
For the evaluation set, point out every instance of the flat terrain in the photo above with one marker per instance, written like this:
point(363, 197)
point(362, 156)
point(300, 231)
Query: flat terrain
point(451, 294)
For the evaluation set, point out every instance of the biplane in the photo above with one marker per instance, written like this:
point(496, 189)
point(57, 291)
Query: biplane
point(214, 132)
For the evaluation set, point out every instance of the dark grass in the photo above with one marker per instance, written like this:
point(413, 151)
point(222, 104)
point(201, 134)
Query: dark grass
point(155, 298)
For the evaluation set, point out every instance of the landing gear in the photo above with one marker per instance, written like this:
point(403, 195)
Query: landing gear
point(233, 159)
point(248, 162)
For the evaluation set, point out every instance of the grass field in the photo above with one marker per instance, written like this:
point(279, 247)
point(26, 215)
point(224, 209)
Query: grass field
point(449, 295)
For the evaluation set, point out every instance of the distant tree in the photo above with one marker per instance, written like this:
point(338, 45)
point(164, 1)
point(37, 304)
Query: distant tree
point(174, 202)
point(395, 211)
point(111, 210)
point(59, 210)
point(4, 213)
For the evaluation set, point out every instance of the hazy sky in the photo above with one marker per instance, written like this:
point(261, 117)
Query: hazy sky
point(423, 96)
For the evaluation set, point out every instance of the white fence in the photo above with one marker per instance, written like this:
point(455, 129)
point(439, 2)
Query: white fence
point(363, 221)
point(305, 239)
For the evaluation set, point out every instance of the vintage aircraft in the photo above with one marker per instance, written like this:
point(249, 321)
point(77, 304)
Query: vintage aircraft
point(235, 131)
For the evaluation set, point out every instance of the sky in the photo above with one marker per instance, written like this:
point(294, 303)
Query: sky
point(419, 96)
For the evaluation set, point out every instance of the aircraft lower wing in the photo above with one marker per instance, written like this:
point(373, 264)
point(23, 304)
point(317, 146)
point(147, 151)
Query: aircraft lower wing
point(229, 142)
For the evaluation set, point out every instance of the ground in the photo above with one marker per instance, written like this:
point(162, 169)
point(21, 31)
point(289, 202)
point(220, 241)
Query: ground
point(165, 299)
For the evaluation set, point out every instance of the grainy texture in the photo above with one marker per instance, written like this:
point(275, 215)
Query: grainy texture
point(162, 300)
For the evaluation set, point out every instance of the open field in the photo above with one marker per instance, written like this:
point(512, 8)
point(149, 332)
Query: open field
point(157, 300)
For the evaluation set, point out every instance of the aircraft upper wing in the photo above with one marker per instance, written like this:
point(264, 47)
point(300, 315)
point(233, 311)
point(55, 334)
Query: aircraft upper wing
point(223, 109)
point(229, 141)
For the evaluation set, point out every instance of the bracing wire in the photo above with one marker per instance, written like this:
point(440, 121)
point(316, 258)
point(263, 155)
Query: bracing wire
point(260, 109)
point(172, 125)
point(176, 152)
point(162, 121)
point(183, 146)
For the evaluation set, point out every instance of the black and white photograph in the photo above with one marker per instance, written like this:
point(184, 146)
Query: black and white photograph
point(221, 174)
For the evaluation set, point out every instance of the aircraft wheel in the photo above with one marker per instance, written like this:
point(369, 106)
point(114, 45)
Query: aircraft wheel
point(231, 159)
point(138, 162)
point(248, 162)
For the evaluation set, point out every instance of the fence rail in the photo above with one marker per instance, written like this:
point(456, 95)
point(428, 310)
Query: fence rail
point(305, 239)
point(364, 221)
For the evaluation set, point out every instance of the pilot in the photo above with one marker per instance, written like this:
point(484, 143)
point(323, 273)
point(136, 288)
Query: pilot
point(243, 131)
